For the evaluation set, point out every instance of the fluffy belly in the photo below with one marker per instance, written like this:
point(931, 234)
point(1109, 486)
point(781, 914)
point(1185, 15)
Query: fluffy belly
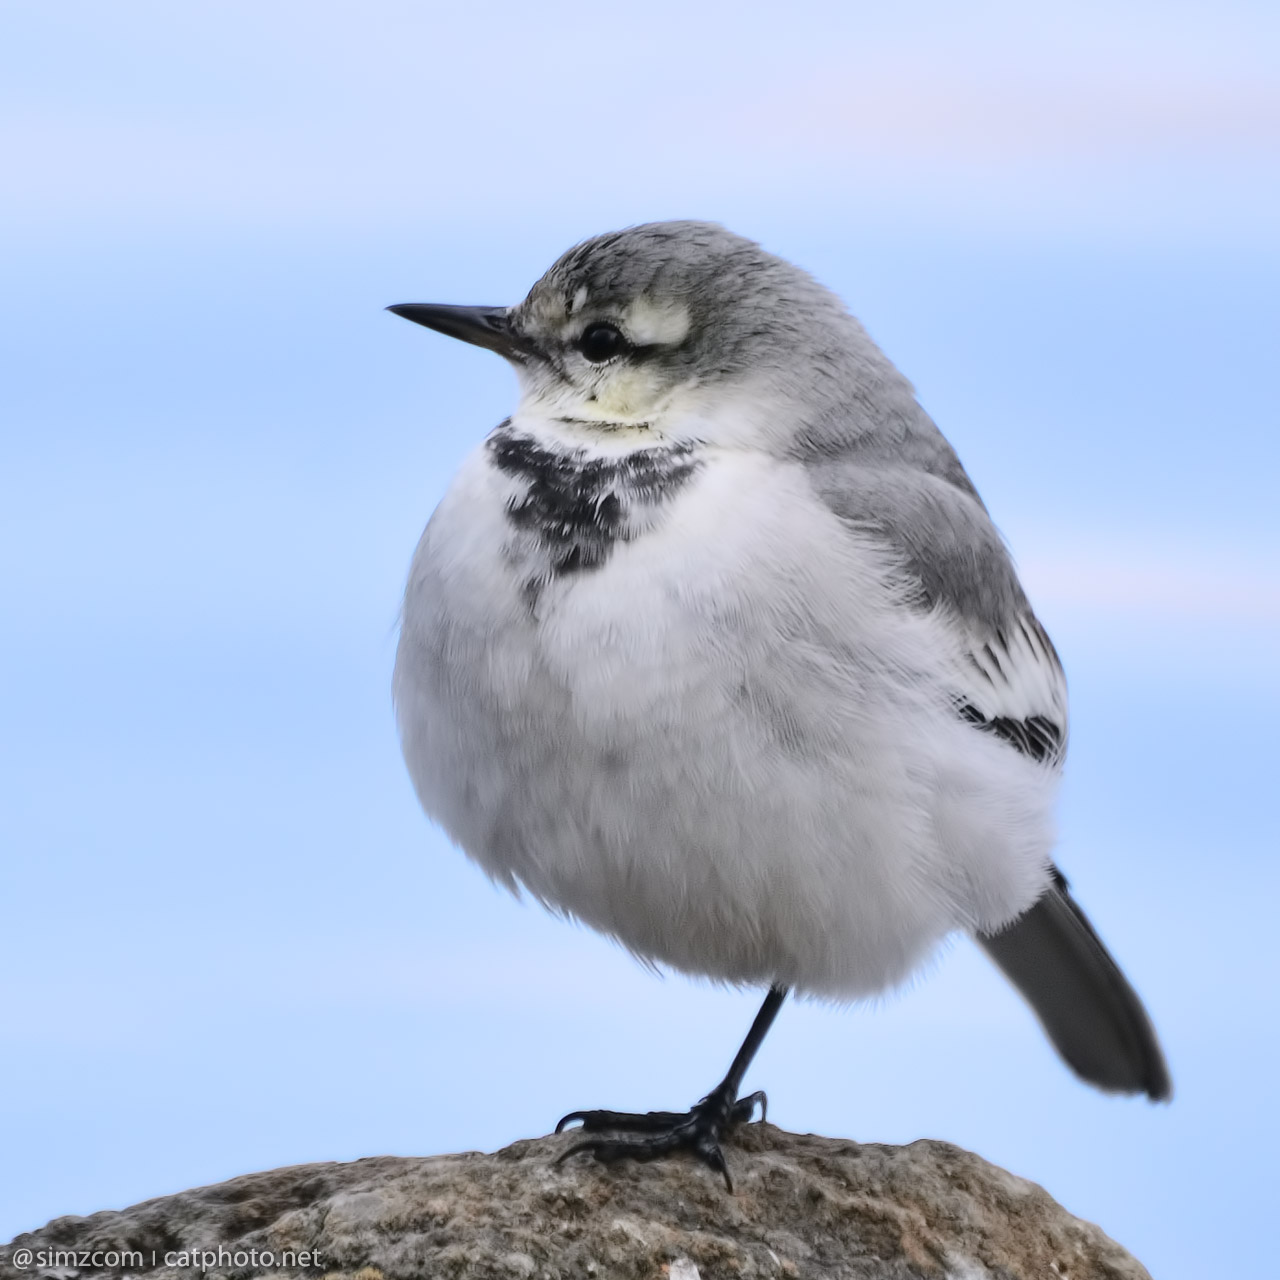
point(728, 747)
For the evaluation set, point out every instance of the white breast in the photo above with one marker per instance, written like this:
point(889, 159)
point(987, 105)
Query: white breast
point(730, 746)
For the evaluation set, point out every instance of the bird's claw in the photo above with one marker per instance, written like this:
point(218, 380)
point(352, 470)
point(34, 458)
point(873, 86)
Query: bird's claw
point(624, 1121)
point(697, 1131)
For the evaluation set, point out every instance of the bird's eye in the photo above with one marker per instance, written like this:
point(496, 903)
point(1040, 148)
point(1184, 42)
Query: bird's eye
point(601, 342)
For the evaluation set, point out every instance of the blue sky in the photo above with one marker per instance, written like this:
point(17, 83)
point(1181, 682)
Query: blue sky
point(232, 941)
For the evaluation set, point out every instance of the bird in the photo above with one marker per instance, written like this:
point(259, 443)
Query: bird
point(713, 646)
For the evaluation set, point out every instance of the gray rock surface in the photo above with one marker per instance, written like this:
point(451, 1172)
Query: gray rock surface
point(805, 1207)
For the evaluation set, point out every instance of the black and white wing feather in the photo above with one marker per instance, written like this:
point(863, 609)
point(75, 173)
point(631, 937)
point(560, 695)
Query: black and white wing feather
point(1015, 688)
point(1011, 682)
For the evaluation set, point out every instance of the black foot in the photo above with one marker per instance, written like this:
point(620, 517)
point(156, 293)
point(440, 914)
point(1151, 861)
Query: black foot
point(697, 1131)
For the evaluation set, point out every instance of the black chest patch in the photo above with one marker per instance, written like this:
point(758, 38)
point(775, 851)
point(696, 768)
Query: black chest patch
point(578, 508)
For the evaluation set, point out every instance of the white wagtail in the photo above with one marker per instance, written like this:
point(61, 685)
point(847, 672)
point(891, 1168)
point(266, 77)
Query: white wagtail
point(713, 646)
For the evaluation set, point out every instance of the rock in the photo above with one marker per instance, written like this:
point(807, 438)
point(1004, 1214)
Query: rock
point(805, 1207)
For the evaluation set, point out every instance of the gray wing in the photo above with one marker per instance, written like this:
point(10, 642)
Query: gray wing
point(926, 509)
point(1013, 684)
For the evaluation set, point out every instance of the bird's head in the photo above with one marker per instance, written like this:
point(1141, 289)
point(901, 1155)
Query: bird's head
point(639, 331)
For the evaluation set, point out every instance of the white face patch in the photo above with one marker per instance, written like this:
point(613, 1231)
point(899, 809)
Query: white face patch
point(626, 395)
point(650, 323)
point(619, 394)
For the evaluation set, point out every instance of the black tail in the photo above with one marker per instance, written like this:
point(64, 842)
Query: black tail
point(1085, 1004)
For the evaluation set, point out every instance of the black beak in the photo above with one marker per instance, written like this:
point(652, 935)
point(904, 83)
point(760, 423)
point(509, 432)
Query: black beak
point(486, 327)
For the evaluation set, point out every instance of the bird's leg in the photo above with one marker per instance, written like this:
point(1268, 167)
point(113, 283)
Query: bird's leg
point(697, 1130)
